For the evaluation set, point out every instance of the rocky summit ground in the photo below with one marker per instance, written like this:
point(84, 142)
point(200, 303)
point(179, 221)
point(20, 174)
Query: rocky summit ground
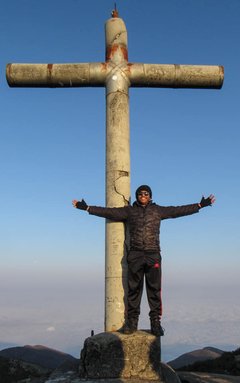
point(185, 377)
point(205, 377)
point(71, 376)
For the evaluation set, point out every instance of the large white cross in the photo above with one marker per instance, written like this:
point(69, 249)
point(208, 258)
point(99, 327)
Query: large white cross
point(116, 74)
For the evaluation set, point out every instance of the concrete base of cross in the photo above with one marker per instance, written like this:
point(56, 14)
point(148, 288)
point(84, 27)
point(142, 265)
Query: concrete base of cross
point(115, 356)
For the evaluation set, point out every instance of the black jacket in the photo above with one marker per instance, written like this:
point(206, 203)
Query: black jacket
point(143, 222)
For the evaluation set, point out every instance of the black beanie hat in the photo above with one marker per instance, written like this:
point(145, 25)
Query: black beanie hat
point(144, 187)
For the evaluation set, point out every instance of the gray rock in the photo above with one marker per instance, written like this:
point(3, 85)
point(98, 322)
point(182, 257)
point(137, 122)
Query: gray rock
point(118, 356)
point(169, 375)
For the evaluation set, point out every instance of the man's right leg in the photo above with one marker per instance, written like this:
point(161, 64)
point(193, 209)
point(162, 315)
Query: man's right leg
point(135, 289)
point(153, 287)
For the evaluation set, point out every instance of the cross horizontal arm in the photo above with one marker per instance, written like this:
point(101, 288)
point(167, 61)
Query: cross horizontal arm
point(96, 74)
point(176, 76)
point(56, 75)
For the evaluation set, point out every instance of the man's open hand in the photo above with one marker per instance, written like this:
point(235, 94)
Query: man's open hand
point(207, 201)
point(80, 204)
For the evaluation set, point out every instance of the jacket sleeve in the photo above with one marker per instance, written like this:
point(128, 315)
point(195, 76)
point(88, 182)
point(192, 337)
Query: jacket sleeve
point(114, 213)
point(178, 211)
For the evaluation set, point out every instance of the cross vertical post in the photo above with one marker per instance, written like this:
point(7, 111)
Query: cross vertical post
point(117, 169)
point(116, 74)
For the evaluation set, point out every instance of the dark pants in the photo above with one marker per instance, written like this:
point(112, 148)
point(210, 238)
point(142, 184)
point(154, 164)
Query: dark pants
point(141, 263)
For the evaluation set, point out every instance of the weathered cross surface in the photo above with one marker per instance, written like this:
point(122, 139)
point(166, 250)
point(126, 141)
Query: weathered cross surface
point(116, 74)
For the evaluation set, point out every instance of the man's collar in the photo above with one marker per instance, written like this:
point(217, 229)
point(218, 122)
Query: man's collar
point(138, 204)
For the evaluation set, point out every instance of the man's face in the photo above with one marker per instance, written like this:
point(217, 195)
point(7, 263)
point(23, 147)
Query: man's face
point(143, 197)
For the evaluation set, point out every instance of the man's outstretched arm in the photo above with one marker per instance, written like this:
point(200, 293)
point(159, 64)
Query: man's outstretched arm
point(180, 211)
point(113, 213)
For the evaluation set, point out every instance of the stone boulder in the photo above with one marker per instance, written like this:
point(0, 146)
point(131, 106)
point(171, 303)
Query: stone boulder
point(115, 355)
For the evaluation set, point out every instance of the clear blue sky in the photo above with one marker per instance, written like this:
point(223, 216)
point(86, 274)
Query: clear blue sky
point(184, 143)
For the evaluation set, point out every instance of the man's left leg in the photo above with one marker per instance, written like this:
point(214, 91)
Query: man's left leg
point(153, 276)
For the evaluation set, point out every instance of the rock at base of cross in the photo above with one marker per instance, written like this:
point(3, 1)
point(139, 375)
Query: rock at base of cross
point(135, 357)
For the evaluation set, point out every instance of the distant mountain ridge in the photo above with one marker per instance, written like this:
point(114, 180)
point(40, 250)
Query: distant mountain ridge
point(227, 363)
point(199, 355)
point(38, 354)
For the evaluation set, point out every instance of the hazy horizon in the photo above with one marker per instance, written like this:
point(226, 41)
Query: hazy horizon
point(57, 313)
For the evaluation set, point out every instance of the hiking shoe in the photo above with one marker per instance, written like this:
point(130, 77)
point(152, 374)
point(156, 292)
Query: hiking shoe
point(130, 326)
point(156, 328)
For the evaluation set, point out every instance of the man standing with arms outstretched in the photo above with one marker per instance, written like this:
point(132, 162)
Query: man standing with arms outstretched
point(144, 257)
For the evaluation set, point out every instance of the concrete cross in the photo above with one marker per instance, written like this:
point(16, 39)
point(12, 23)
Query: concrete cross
point(116, 74)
